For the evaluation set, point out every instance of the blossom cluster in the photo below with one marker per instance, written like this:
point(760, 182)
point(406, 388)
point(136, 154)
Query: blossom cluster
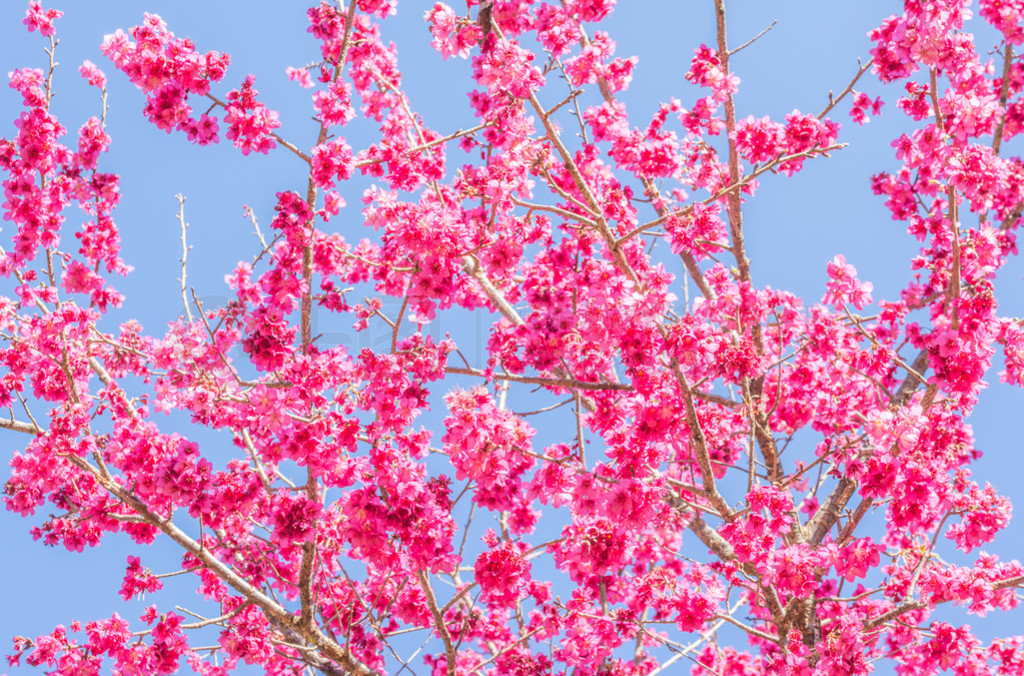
point(168, 70)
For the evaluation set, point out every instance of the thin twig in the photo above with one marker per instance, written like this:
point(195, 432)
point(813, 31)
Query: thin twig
point(753, 39)
point(184, 256)
point(568, 383)
point(834, 101)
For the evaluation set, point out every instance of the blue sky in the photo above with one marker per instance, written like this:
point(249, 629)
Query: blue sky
point(794, 226)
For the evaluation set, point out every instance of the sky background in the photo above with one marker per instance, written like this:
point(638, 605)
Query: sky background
point(794, 226)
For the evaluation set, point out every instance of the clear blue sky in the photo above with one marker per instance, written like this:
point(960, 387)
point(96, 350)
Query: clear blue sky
point(794, 226)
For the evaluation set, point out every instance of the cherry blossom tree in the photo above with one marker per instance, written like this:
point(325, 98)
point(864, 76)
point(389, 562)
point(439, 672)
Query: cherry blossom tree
point(740, 482)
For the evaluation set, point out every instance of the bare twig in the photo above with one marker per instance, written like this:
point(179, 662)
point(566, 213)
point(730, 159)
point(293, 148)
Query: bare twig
point(753, 39)
point(184, 256)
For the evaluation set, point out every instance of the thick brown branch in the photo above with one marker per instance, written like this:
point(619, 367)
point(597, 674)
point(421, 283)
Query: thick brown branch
point(893, 613)
point(829, 512)
point(439, 623)
point(472, 266)
point(19, 426)
point(916, 604)
point(712, 539)
point(698, 444)
point(721, 547)
point(1004, 96)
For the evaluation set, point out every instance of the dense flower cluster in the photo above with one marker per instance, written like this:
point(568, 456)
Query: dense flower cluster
point(38, 19)
point(486, 444)
point(501, 571)
point(168, 70)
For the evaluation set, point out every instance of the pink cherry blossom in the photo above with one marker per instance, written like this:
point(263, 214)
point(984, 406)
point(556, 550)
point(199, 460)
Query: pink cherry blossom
point(91, 72)
point(645, 452)
point(38, 19)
